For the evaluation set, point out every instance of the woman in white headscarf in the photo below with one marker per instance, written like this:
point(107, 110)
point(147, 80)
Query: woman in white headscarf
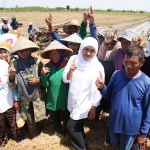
point(81, 72)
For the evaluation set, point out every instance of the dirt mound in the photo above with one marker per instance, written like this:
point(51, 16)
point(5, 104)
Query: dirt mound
point(43, 37)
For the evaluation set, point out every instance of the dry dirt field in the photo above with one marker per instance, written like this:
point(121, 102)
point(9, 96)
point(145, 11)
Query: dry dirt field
point(95, 130)
point(102, 20)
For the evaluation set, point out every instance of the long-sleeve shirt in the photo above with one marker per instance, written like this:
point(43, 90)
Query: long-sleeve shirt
point(57, 90)
point(83, 93)
point(93, 33)
point(130, 101)
point(83, 34)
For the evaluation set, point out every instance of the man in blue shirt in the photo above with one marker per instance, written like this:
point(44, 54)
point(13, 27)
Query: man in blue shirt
point(31, 32)
point(129, 92)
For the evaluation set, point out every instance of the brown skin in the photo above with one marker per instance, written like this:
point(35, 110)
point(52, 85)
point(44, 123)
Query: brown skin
point(54, 56)
point(101, 39)
point(24, 54)
point(92, 113)
point(141, 140)
point(73, 29)
point(132, 66)
point(73, 46)
point(17, 105)
point(125, 44)
point(111, 45)
point(132, 70)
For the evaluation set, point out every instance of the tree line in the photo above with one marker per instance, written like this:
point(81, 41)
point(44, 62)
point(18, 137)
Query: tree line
point(67, 8)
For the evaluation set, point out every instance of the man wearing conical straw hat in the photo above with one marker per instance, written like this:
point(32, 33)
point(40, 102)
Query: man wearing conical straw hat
point(73, 42)
point(51, 78)
point(31, 92)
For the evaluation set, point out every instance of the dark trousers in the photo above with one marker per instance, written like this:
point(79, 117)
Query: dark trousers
point(75, 131)
point(10, 116)
point(33, 127)
point(58, 116)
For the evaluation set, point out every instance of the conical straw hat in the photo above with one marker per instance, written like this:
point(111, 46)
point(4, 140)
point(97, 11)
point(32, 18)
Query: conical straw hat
point(73, 38)
point(72, 22)
point(55, 45)
point(23, 43)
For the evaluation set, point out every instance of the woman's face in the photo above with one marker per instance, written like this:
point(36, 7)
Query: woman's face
point(54, 56)
point(88, 52)
point(3, 54)
point(25, 53)
point(125, 44)
point(73, 46)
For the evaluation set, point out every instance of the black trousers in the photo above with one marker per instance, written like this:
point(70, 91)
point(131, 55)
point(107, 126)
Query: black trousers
point(76, 133)
point(58, 116)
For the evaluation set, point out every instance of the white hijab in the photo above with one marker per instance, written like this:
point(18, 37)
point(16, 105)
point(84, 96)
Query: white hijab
point(82, 64)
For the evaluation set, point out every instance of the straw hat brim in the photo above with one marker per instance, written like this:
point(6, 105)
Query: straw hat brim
point(23, 43)
point(66, 28)
point(45, 54)
point(74, 38)
point(55, 45)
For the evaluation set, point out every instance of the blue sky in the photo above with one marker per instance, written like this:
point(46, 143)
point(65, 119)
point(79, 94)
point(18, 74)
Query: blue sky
point(97, 4)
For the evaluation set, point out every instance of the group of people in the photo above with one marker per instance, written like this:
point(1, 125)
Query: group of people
point(84, 72)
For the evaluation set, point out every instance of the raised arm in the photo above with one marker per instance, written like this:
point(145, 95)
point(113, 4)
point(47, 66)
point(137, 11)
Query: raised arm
point(53, 34)
point(103, 53)
point(92, 25)
point(83, 30)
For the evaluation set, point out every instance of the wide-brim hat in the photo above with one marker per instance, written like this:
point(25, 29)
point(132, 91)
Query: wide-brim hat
point(128, 34)
point(55, 45)
point(6, 46)
point(73, 22)
point(23, 43)
point(74, 38)
point(101, 33)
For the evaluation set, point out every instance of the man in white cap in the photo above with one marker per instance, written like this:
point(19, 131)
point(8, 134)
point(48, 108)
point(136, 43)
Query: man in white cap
point(128, 38)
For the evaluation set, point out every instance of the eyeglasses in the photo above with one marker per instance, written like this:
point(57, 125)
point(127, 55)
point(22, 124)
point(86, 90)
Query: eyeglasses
point(89, 51)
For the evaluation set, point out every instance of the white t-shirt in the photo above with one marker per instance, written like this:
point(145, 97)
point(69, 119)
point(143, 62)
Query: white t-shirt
point(83, 93)
point(9, 26)
point(6, 101)
point(9, 38)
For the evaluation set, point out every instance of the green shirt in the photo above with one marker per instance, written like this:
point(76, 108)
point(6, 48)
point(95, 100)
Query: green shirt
point(57, 90)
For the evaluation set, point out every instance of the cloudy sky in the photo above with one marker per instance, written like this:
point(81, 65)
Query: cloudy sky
point(97, 4)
